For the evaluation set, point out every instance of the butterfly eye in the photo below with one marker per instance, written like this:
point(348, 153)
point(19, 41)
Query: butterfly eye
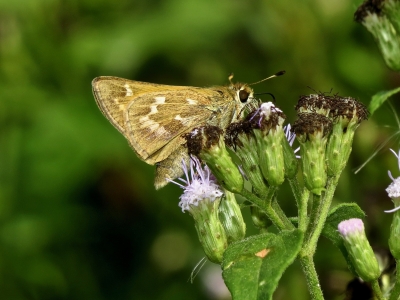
point(243, 96)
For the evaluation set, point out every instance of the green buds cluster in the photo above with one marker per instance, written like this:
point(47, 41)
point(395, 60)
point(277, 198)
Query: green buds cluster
point(208, 144)
point(325, 130)
point(258, 141)
point(360, 252)
point(381, 19)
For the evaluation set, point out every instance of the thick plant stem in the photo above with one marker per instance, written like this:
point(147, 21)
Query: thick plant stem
point(377, 290)
point(279, 220)
point(318, 216)
point(319, 213)
point(314, 287)
point(395, 293)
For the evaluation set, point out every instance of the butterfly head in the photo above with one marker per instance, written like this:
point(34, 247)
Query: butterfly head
point(243, 93)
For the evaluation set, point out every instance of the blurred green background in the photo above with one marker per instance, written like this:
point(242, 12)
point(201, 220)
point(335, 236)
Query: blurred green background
point(79, 216)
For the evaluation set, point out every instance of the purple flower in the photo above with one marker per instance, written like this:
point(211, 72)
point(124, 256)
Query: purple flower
point(393, 189)
point(199, 185)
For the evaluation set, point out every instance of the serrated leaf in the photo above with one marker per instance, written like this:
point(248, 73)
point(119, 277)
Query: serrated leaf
point(252, 267)
point(343, 211)
point(380, 98)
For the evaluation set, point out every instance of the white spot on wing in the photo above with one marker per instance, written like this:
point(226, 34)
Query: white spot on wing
point(153, 109)
point(159, 100)
point(128, 90)
point(191, 102)
point(182, 120)
point(160, 131)
point(146, 122)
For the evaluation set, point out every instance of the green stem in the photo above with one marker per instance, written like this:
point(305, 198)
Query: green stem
point(395, 293)
point(377, 290)
point(294, 185)
point(314, 287)
point(266, 206)
point(278, 210)
point(319, 214)
point(302, 201)
point(303, 217)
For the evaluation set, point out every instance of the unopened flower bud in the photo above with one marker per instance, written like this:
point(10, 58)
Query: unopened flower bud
point(240, 138)
point(312, 132)
point(231, 218)
point(267, 128)
point(208, 144)
point(201, 198)
point(346, 114)
point(381, 19)
point(360, 252)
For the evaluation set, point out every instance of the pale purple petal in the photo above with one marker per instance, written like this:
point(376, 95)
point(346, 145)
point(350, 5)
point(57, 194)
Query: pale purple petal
point(350, 226)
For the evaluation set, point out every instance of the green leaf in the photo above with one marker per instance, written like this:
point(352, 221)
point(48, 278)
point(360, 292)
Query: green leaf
point(252, 267)
point(338, 214)
point(379, 98)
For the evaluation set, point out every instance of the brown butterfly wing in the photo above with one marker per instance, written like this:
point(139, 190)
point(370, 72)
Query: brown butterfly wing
point(153, 117)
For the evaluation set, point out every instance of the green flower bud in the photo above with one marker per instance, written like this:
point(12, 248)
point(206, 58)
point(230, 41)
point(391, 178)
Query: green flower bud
point(209, 228)
point(240, 138)
point(207, 143)
point(201, 198)
point(346, 115)
point(381, 19)
point(360, 252)
point(312, 132)
point(267, 124)
point(231, 218)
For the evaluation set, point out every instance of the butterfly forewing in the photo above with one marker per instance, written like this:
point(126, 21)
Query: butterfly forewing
point(153, 117)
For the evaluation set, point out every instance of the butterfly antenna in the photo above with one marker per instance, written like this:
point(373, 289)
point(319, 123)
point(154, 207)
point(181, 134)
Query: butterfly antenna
point(273, 76)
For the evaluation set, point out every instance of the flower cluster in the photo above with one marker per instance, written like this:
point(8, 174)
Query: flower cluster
point(325, 131)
